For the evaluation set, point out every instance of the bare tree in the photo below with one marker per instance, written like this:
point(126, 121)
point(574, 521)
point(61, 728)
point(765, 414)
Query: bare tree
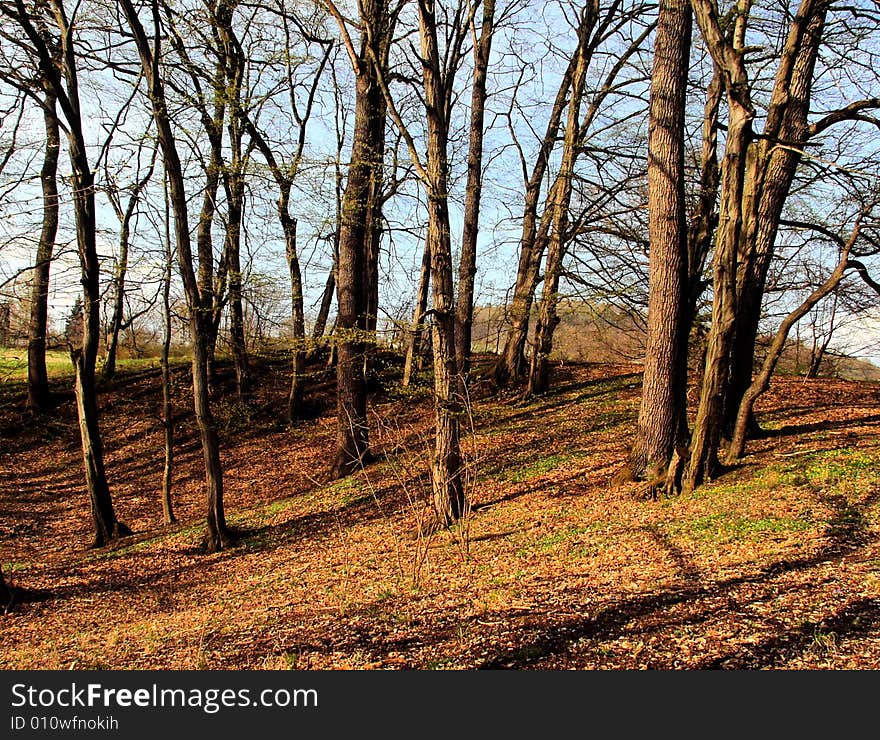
point(61, 74)
point(124, 215)
point(662, 423)
point(467, 269)
point(218, 535)
point(360, 217)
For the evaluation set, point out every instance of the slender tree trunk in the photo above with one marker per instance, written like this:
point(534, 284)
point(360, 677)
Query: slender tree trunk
point(467, 270)
point(218, 535)
point(167, 404)
point(548, 318)
point(450, 502)
point(662, 422)
point(116, 320)
point(510, 365)
point(762, 381)
point(416, 332)
point(84, 357)
point(324, 308)
point(238, 341)
point(39, 397)
point(298, 328)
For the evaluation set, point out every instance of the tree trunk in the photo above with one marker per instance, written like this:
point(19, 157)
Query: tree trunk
point(772, 174)
point(84, 357)
point(703, 460)
point(416, 332)
point(324, 309)
point(358, 212)
point(510, 365)
point(762, 381)
point(218, 535)
point(298, 328)
point(238, 341)
point(447, 486)
point(661, 428)
point(558, 205)
point(467, 270)
point(167, 405)
point(39, 397)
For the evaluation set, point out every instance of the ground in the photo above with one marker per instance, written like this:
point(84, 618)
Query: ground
point(775, 564)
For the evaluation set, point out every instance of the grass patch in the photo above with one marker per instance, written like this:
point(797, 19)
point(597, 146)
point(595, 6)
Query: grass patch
point(725, 527)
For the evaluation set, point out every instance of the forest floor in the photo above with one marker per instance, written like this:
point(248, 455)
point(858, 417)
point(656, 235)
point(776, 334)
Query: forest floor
point(776, 564)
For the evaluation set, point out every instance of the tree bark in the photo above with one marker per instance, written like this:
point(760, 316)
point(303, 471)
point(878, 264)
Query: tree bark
point(39, 396)
point(167, 404)
point(467, 270)
point(416, 332)
point(661, 428)
point(448, 495)
point(771, 173)
point(703, 459)
point(361, 206)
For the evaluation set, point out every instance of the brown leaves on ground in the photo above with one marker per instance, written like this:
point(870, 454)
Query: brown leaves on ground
point(774, 565)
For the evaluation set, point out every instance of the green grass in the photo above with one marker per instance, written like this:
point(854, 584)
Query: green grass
point(13, 364)
point(726, 527)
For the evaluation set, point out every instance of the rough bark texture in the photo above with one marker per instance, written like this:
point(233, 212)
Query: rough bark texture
point(467, 269)
point(662, 425)
point(360, 209)
point(448, 495)
point(770, 177)
point(39, 397)
point(703, 460)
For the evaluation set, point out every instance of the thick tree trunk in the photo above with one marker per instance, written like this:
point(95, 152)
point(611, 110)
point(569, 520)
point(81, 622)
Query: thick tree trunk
point(771, 175)
point(467, 270)
point(703, 460)
point(358, 212)
point(39, 397)
point(417, 330)
point(661, 428)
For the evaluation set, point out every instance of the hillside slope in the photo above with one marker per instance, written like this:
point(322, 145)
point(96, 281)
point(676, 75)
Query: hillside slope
point(774, 565)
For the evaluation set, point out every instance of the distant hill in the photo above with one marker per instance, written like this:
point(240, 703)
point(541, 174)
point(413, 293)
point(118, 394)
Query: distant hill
point(604, 333)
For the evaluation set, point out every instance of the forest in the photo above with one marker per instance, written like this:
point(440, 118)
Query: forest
point(439, 334)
